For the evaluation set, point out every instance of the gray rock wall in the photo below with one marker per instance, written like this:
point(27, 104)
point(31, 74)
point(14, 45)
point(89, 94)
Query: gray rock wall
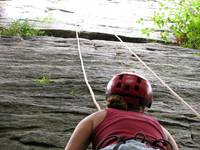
point(37, 116)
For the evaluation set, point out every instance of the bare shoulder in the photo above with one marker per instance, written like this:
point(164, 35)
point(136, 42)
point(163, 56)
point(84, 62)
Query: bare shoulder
point(96, 117)
point(170, 139)
point(84, 130)
point(98, 113)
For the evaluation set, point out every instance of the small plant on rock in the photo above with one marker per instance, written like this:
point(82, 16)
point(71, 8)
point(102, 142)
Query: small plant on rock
point(44, 80)
point(73, 93)
point(20, 28)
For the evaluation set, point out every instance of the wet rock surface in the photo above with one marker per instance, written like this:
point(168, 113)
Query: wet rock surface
point(36, 116)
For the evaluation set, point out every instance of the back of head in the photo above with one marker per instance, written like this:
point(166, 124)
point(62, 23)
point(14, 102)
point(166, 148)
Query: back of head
point(129, 90)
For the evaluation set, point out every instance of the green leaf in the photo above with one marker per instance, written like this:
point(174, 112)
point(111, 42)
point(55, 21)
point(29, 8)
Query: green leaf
point(147, 31)
point(182, 18)
point(44, 80)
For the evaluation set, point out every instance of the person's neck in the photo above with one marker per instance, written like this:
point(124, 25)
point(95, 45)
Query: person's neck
point(140, 109)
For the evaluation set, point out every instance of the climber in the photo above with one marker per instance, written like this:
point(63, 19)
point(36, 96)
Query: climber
point(124, 124)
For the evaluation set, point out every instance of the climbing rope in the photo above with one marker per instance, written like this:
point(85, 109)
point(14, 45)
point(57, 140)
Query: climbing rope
point(140, 60)
point(84, 73)
point(173, 92)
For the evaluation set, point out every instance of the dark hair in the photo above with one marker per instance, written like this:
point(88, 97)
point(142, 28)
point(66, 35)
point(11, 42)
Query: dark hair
point(118, 102)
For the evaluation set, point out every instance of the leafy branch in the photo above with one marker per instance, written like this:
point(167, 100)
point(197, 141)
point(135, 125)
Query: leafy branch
point(181, 18)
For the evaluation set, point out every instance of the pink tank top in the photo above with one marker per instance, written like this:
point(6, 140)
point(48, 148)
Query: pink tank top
point(127, 124)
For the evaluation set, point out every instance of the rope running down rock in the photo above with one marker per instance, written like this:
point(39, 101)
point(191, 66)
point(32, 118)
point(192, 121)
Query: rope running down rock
point(84, 73)
point(173, 92)
point(140, 60)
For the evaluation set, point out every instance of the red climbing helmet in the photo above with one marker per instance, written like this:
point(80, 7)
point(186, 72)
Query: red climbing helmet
point(133, 87)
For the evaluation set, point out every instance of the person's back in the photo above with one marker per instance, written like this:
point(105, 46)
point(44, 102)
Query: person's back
point(125, 124)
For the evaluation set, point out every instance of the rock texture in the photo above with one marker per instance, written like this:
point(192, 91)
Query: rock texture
point(36, 116)
point(105, 16)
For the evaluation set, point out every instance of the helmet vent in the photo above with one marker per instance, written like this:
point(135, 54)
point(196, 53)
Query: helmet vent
point(136, 88)
point(118, 85)
point(139, 80)
point(121, 77)
point(126, 87)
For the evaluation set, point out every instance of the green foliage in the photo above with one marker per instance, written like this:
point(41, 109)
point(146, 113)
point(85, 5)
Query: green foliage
point(20, 28)
point(181, 18)
point(147, 31)
point(47, 19)
point(197, 54)
point(44, 80)
point(73, 93)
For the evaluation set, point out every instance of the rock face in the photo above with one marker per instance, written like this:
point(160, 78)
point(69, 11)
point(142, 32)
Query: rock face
point(105, 16)
point(38, 116)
